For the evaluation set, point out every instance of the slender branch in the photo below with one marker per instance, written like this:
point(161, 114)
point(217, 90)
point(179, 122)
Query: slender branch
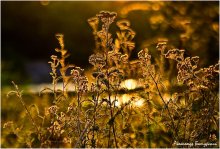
point(169, 114)
point(78, 112)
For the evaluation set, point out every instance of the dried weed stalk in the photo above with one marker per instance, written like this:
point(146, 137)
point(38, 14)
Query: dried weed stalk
point(91, 117)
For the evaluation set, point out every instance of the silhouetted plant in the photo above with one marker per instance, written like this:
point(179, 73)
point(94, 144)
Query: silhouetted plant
point(102, 113)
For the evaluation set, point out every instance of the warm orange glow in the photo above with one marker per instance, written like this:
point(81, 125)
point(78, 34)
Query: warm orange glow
point(166, 97)
point(148, 6)
point(156, 19)
point(44, 2)
point(215, 26)
point(139, 102)
point(129, 84)
point(123, 99)
point(156, 7)
point(135, 6)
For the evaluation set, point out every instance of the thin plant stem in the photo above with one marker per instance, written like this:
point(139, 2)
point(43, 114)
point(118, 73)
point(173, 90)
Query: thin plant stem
point(108, 88)
point(82, 134)
point(19, 95)
point(78, 113)
point(166, 106)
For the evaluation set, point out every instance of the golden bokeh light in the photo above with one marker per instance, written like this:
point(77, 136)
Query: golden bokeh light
point(129, 84)
point(125, 98)
point(44, 2)
point(139, 102)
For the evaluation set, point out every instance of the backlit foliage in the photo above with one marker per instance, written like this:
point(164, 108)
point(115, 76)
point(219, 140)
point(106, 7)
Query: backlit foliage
point(127, 103)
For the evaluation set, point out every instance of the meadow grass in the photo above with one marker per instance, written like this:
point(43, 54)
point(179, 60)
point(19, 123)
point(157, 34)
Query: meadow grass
point(102, 112)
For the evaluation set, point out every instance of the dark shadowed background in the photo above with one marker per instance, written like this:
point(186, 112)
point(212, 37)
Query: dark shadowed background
point(28, 32)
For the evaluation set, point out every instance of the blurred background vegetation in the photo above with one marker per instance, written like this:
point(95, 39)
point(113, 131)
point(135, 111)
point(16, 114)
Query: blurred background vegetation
point(29, 28)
